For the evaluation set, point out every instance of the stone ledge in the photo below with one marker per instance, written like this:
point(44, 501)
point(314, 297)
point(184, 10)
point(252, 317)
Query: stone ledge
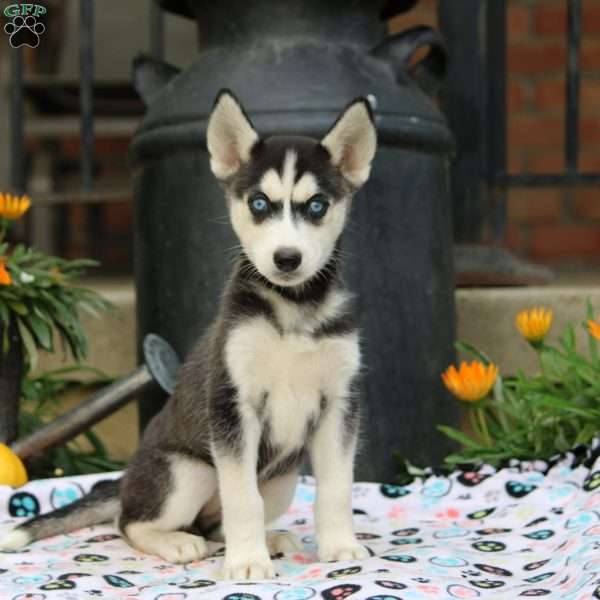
point(485, 318)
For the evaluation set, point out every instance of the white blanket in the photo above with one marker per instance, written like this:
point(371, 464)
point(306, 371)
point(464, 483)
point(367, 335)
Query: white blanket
point(474, 534)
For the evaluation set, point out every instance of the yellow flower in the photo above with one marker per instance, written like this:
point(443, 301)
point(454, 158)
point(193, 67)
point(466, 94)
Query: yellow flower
point(5, 278)
point(594, 328)
point(12, 471)
point(471, 382)
point(13, 207)
point(534, 323)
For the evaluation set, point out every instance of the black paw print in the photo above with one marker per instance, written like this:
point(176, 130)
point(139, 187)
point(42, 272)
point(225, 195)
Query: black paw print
point(517, 489)
point(344, 572)
point(23, 504)
point(405, 532)
point(493, 570)
point(481, 514)
point(90, 558)
point(24, 31)
point(542, 534)
point(401, 558)
point(486, 584)
point(472, 478)
point(391, 585)
point(592, 481)
point(489, 546)
point(536, 565)
point(390, 490)
point(64, 584)
point(339, 592)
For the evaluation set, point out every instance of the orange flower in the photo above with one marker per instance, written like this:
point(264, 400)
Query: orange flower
point(13, 207)
point(471, 382)
point(534, 323)
point(5, 278)
point(594, 328)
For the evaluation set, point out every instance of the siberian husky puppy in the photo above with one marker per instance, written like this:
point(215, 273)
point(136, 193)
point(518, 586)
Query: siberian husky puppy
point(272, 381)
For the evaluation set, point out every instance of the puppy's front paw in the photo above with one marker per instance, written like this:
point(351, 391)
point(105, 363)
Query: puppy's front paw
point(254, 564)
point(348, 551)
point(180, 547)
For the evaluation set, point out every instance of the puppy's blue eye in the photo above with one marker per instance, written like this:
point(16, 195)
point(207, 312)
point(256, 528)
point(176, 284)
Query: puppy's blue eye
point(259, 205)
point(317, 207)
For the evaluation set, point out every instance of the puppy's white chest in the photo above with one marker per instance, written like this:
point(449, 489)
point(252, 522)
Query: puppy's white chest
point(286, 376)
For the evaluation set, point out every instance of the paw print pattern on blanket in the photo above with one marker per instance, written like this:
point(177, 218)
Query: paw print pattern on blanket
point(23, 504)
point(501, 535)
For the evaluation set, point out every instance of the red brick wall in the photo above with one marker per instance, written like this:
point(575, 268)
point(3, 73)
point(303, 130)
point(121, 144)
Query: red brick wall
point(546, 224)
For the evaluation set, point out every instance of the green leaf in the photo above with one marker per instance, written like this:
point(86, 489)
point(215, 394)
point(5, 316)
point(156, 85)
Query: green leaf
point(564, 405)
point(459, 436)
point(568, 339)
point(18, 307)
point(470, 349)
point(41, 331)
point(29, 344)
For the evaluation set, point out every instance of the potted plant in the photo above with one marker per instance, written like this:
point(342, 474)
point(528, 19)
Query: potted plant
point(39, 307)
point(529, 417)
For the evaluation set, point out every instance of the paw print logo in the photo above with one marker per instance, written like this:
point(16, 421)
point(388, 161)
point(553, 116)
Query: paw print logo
point(24, 31)
point(23, 504)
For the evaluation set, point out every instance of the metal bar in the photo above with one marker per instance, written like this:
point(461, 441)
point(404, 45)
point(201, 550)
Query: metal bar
point(99, 195)
point(572, 86)
point(17, 146)
point(86, 89)
point(157, 30)
point(496, 88)
point(86, 414)
point(464, 105)
point(496, 121)
point(547, 179)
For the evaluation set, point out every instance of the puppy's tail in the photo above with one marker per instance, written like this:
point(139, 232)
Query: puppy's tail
point(100, 505)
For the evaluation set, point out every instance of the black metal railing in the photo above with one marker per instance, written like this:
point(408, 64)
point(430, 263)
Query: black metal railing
point(475, 104)
point(17, 159)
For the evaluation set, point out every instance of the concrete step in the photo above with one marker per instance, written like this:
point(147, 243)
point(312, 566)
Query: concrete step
point(485, 318)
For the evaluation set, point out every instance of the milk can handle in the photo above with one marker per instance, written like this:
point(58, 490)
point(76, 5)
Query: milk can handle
point(399, 48)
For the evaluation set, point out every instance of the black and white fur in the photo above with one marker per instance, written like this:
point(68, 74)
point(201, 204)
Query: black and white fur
point(273, 378)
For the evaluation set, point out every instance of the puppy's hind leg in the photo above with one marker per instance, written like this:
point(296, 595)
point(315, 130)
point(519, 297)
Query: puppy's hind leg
point(170, 501)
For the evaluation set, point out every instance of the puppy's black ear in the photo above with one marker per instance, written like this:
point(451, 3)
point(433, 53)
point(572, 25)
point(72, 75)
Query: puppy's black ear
point(352, 142)
point(229, 136)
